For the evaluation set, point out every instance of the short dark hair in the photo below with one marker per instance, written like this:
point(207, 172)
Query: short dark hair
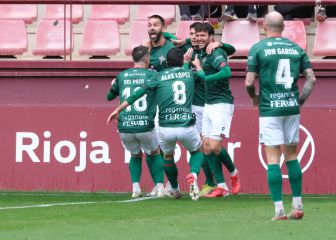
point(139, 52)
point(163, 22)
point(175, 57)
point(206, 27)
point(195, 25)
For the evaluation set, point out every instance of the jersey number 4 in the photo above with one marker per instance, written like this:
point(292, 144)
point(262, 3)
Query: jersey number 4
point(139, 105)
point(283, 74)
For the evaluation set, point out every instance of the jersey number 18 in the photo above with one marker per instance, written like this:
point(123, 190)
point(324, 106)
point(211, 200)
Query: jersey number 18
point(139, 105)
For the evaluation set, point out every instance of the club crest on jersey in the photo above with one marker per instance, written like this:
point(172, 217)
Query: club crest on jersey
point(162, 59)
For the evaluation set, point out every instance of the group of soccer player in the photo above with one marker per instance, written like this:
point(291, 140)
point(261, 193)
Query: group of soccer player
point(186, 83)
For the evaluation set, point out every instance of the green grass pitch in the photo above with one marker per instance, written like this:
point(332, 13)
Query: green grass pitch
point(95, 216)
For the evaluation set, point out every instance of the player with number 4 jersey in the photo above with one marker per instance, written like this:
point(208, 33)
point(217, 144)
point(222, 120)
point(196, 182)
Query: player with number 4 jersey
point(278, 63)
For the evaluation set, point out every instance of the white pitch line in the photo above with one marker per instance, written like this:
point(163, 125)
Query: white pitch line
point(136, 199)
point(52, 205)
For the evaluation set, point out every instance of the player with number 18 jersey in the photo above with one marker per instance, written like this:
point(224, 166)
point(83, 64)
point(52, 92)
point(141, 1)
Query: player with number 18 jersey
point(140, 116)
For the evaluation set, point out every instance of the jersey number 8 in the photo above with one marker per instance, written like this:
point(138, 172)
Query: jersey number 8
point(179, 92)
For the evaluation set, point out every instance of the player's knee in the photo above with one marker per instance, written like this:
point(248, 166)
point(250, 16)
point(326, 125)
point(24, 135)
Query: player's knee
point(169, 156)
point(214, 148)
point(137, 155)
point(155, 152)
point(196, 151)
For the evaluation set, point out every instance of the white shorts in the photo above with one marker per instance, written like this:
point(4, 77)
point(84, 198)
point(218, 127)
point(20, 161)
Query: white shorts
point(274, 131)
point(188, 136)
point(198, 111)
point(217, 120)
point(134, 142)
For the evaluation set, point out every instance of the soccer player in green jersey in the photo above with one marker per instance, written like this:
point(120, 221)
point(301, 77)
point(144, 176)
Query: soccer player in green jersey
point(199, 94)
point(218, 110)
point(136, 124)
point(174, 89)
point(159, 46)
point(278, 62)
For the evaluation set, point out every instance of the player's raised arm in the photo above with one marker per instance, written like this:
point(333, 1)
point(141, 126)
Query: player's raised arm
point(308, 86)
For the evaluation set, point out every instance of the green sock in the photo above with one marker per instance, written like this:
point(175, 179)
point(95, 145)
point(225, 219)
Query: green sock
point(171, 172)
point(209, 180)
point(295, 177)
point(150, 167)
point(135, 168)
point(274, 180)
point(195, 162)
point(216, 167)
point(226, 160)
point(157, 169)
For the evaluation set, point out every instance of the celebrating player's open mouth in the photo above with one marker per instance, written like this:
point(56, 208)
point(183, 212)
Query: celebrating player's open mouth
point(154, 36)
point(203, 39)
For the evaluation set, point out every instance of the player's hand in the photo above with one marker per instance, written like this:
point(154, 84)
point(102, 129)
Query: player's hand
point(113, 115)
point(197, 63)
point(212, 46)
point(255, 100)
point(112, 82)
point(178, 42)
point(188, 55)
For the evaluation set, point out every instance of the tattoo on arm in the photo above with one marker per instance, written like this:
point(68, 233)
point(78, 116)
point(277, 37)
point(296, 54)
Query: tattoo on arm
point(308, 86)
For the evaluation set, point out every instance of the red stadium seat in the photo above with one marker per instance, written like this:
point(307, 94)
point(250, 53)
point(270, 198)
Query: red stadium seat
point(100, 38)
point(306, 21)
point(138, 34)
point(166, 11)
point(25, 12)
point(325, 44)
point(119, 13)
point(295, 31)
point(183, 29)
point(233, 34)
point(13, 37)
point(50, 38)
point(56, 11)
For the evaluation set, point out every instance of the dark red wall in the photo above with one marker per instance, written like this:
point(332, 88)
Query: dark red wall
point(67, 106)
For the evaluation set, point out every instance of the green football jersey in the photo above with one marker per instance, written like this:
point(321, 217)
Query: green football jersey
point(216, 91)
point(278, 63)
point(199, 93)
point(158, 56)
point(139, 117)
point(174, 89)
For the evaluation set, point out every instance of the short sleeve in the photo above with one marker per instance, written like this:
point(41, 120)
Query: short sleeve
point(305, 62)
point(152, 81)
point(115, 85)
point(218, 59)
point(252, 60)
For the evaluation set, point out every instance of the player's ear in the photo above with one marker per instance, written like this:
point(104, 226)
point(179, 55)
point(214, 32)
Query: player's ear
point(264, 26)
